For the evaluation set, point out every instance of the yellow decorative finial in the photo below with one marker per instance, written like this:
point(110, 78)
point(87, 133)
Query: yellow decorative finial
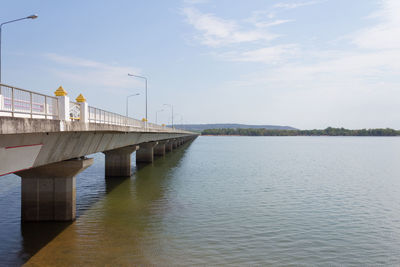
point(60, 92)
point(80, 98)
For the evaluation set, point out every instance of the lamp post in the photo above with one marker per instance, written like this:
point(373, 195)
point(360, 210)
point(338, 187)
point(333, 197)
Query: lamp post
point(172, 112)
point(157, 113)
point(145, 79)
point(127, 103)
point(15, 20)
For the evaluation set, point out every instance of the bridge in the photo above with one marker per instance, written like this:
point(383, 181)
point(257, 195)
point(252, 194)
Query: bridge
point(45, 140)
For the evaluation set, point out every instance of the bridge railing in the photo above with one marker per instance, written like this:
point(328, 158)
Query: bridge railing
point(97, 115)
point(16, 102)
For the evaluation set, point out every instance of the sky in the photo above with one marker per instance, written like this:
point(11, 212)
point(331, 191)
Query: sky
point(303, 63)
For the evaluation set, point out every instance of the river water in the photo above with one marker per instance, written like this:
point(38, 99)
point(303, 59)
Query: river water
point(226, 201)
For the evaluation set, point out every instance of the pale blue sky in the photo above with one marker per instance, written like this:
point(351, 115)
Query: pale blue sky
point(304, 63)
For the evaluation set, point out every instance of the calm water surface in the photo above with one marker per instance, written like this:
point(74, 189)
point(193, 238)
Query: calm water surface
point(226, 201)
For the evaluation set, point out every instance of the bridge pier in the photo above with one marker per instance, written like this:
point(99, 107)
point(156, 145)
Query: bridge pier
point(168, 146)
point(48, 192)
point(118, 161)
point(159, 150)
point(174, 144)
point(145, 154)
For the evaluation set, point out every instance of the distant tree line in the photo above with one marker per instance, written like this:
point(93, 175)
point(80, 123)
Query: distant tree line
point(326, 132)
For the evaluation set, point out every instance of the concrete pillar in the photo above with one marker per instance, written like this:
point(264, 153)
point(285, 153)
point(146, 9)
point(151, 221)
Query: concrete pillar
point(84, 109)
point(168, 146)
point(174, 144)
point(118, 161)
point(48, 192)
point(159, 150)
point(145, 154)
point(63, 104)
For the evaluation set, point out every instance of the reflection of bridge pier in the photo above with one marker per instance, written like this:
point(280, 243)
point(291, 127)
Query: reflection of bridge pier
point(45, 139)
point(130, 202)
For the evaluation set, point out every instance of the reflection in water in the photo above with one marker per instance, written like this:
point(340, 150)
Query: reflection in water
point(115, 229)
point(36, 235)
point(264, 201)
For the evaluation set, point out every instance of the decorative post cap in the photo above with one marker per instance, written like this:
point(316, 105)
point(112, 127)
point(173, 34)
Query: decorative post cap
point(80, 98)
point(60, 92)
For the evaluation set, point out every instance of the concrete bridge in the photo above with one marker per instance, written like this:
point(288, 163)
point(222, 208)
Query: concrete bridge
point(45, 140)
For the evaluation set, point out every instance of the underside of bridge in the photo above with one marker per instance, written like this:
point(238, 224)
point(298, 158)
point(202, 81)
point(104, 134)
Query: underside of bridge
point(49, 191)
point(48, 155)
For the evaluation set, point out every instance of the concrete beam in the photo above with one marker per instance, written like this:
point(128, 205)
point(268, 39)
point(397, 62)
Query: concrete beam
point(145, 154)
point(118, 161)
point(49, 192)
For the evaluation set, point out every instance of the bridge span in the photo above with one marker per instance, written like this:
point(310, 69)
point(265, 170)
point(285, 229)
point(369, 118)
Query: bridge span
point(45, 141)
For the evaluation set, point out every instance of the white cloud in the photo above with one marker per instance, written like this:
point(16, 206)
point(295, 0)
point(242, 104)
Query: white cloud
point(296, 4)
point(87, 72)
point(216, 32)
point(386, 33)
point(356, 85)
point(194, 2)
point(269, 55)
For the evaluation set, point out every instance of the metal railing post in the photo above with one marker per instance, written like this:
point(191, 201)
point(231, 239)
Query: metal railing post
point(45, 107)
point(12, 101)
point(30, 102)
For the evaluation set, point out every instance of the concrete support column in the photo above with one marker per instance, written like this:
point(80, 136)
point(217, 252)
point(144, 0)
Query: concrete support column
point(48, 192)
point(145, 154)
point(168, 146)
point(118, 161)
point(159, 150)
point(174, 144)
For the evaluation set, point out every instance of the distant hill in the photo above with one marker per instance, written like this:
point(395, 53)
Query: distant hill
point(201, 127)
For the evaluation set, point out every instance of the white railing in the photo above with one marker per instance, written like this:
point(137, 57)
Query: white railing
point(16, 102)
point(97, 115)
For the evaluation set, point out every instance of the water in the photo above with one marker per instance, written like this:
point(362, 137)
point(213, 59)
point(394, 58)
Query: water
point(226, 201)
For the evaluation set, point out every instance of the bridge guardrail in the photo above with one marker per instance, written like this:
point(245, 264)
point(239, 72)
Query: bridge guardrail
point(97, 115)
point(16, 102)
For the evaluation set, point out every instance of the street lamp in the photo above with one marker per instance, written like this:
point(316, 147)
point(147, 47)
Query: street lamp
point(157, 113)
point(142, 77)
point(1, 25)
point(172, 112)
point(128, 103)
